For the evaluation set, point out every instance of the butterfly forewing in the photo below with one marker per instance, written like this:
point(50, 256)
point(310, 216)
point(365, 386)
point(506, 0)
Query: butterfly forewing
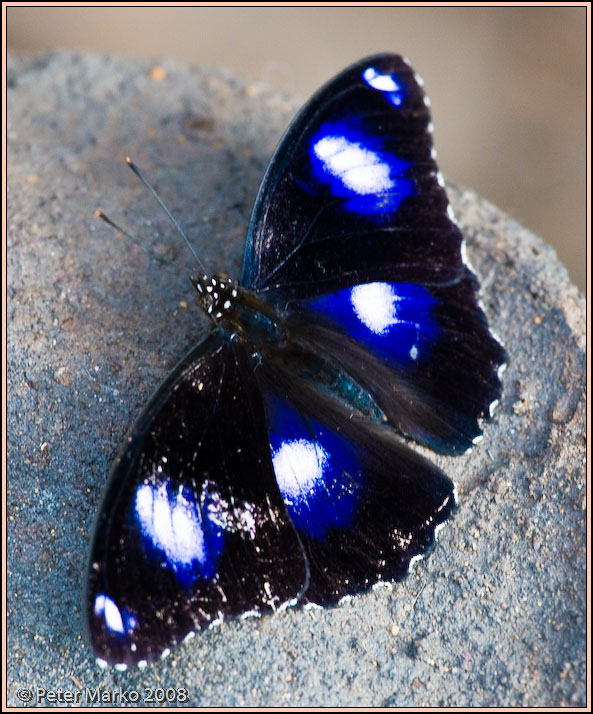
point(192, 529)
point(352, 193)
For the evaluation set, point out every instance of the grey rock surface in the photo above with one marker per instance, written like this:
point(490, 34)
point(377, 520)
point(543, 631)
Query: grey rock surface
point(497, 614)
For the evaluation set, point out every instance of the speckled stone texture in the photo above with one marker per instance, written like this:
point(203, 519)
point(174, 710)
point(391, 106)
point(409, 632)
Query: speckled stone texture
point(496, 616)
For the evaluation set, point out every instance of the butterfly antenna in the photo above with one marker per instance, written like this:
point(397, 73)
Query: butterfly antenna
point(104, 217)
point(138, 173)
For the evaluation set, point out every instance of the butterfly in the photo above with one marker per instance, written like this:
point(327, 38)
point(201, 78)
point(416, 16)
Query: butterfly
point(274, 465)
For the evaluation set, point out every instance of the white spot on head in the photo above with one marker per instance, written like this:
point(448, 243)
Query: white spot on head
point(299, 465)
point(451, 213)
point(101, 663)
point(478, 438)
point(426, 101)
point(227, 304)
point(419, 79)
point(165, 653)
point(142, 664)
point(375, 305)
point(430, 127)
point(492, 407)
point(440, 179)
point(359, 169)
point(414, 352)
point(121, 667)
point(433, 152)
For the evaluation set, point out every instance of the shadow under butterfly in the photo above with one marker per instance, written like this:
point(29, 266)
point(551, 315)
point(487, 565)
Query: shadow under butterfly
point(273, 466)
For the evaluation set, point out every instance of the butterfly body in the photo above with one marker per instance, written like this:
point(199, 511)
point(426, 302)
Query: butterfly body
point(273, 466)
point(272, 336)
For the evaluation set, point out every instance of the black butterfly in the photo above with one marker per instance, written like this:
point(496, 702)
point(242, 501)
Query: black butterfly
point(271, 467)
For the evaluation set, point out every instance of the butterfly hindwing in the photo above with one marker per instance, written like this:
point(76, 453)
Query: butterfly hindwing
point(192, 528)
point(363, 503)
point(425, 353)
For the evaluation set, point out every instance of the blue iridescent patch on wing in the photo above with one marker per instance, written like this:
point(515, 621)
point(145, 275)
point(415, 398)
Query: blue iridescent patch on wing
point(185, 535)
point(393, 89)
point(357, 168)
point(317, 471)
point(393, 320)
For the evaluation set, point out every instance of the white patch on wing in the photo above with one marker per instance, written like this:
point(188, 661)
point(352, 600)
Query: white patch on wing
point(299, 465)
point(173, 525)
point(105, 606)
point(382, 82)
point(375, 305)
point(359, 169)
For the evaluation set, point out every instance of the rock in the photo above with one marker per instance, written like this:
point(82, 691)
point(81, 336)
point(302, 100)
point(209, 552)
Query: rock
point(495, 617)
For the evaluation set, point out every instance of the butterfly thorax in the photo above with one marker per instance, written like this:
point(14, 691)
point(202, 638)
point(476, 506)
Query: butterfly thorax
point(236, 309)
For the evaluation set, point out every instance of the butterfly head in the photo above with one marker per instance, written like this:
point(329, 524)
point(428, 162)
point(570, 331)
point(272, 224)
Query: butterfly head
point(216, 294)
